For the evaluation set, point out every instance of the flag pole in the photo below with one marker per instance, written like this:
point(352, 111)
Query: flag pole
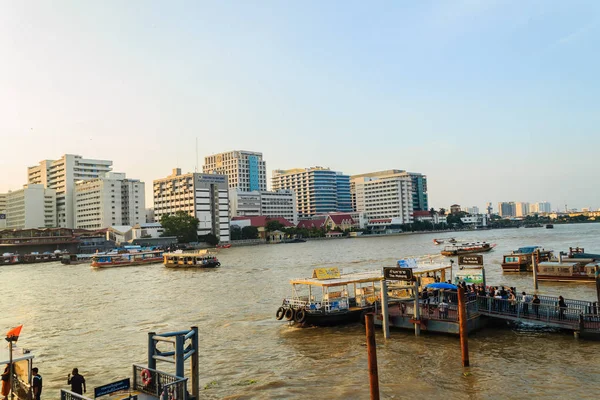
point(10, 358)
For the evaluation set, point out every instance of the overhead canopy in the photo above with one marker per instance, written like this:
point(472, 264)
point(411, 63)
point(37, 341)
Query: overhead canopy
point(442, 285)
point(345, 279)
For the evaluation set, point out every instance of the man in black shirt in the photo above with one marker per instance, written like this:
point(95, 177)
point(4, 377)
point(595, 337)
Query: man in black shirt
point(77, 382)
point(36, 384)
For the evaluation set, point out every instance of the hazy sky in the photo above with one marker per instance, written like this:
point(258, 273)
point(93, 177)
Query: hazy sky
point(493, 100)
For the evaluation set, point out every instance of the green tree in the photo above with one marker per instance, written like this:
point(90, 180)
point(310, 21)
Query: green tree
point(442, 211)
point(182, 225)
point(210, 239)
point(274, 225)
point(250, 232)
point(236, 232)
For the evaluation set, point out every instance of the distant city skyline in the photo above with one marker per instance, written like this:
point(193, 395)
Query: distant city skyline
point(492, 101)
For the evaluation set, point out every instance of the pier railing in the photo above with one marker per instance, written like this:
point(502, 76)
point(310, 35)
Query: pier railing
point(160, 384)
point(68, 395)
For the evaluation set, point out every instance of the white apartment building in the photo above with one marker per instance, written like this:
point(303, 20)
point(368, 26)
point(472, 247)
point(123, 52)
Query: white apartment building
point(245, 170)
point(541, 207)
point(471, 210)
point(109, 200)
point(281, 203)
point(521, 209)
point(385, 197)
point(31, 207)
point(61, 175)
point(204, 196)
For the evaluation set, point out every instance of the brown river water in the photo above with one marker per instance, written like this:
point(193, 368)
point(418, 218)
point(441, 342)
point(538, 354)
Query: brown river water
point(98, 321)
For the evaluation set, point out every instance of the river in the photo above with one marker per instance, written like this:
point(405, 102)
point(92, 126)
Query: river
point(97, 320)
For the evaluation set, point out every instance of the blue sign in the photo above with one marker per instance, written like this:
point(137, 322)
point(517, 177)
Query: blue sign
point(112, 387)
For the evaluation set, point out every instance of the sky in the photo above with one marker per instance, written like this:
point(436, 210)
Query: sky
point(492, 100)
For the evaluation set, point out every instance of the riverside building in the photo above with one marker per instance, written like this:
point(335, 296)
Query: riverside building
point(2, 210)
point(204, 196)
point(507, 209)
point(281, 203)
point(385, 195)
point(245, 170)
point(61, 175)
point(109, 200)
point(318, 190)
point(34, 206)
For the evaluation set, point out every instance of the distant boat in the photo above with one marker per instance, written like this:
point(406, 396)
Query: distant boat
point(520, 260)
point(467, 248)
point(549, 226)
point(224, 246)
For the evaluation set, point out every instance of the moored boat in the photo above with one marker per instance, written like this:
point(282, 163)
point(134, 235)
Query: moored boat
point(201, 259)
point(549, 226)
point(520, 260)
point(76, 258)
point(126, 259)
point(35, 257)
point(567, 271)
point(9, 258)
point(467, 248)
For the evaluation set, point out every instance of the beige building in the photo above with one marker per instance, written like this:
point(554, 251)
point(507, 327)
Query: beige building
point(109, 200)
point(31, 207)
point(385, 196)
point(281, 203)
point(2, 210)
point(521, 209)
point(204, 196)
point(245, 170)
point(61, 175)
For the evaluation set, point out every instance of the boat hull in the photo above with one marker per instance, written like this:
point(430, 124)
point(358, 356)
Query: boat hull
point(212, 264)
point(154, 260)
point(461, 252)
point(566, 278)
point(334, 319)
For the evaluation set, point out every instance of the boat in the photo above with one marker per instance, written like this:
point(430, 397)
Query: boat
point(567, 271)
point(330, 298)
point(76, 258)
point(295, 240)
point(224, 246)
point(35, 257)
point(441, 241)
point(127, 258)
point(578, 253)
point(520, 260)
point(467, 248)
point(549, 226)
point(23, 363)
point(9, 258)
point(533, 225)
point(200, 259)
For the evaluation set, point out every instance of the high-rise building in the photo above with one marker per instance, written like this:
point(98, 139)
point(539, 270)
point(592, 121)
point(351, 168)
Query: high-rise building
point(109, 200)
point(471, 210)
point(521, 209)
point(61, 175)
point(318, 190)
point(507, 209)
point(2, 210)
point(544, 207)
point(204, 196)
point(34, 206)
point(488, 207)
point(384, 196)
point(419, 197)
point(281, 203)
point(245, 170)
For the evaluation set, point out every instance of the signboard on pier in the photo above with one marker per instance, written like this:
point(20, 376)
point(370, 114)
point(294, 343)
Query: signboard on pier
point(470, 260)
point(470, 276)
point(117, 386)
point(397, 274)
point(326, 273)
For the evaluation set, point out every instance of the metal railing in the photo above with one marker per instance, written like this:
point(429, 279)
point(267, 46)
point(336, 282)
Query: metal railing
point(160, 384)
point(68, 395)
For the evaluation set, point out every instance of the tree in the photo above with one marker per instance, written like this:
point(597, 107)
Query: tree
point(236, 232)
point(209, 238)
point(250, 232)
point(273, 225)
point(442, 211)
point(182, 225)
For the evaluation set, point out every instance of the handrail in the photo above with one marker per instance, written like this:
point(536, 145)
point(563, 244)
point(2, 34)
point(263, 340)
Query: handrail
point(69, 395)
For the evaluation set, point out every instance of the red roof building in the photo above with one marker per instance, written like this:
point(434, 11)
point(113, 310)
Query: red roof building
point(311, 223)
point(261, 221)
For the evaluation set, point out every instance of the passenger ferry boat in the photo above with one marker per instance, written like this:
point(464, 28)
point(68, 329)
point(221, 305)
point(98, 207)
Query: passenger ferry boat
point(467, 248)
point(126, 259)
point(41, 257)
point(520, 260)
point(567, 271)
point(77, 258)
point(201, 259)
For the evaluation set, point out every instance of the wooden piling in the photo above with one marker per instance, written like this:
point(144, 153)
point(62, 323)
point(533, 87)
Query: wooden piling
point(534, 266)
point(372, 354)
point(385, 323)
point(462, 322)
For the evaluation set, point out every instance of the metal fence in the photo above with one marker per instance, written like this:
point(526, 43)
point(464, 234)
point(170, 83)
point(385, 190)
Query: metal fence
point(68, 395)
point(160, 384)
point(543, 312)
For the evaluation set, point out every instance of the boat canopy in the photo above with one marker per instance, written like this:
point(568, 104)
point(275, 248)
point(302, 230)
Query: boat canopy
point(527, 249)
point(345, 279)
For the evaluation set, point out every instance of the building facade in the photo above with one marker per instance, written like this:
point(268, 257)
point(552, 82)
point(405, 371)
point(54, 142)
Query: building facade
point(419, 197)
point(521, 209)
point(245, 170)
point(507, 209)
point(540, 207)
point(318, 190)
point(109, 200)
point(2, 210)
point(34, 206)
point(385, 197)
point(471, 210)
point(204, 196)
point(61, 175)
point(281, 203)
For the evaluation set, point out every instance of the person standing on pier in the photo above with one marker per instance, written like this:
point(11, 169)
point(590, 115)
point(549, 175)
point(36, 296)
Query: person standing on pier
point(6, 382)
point(77, 382)
point(562, 306)
point(536, 305)
point(36, 384)
point(525, 301)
